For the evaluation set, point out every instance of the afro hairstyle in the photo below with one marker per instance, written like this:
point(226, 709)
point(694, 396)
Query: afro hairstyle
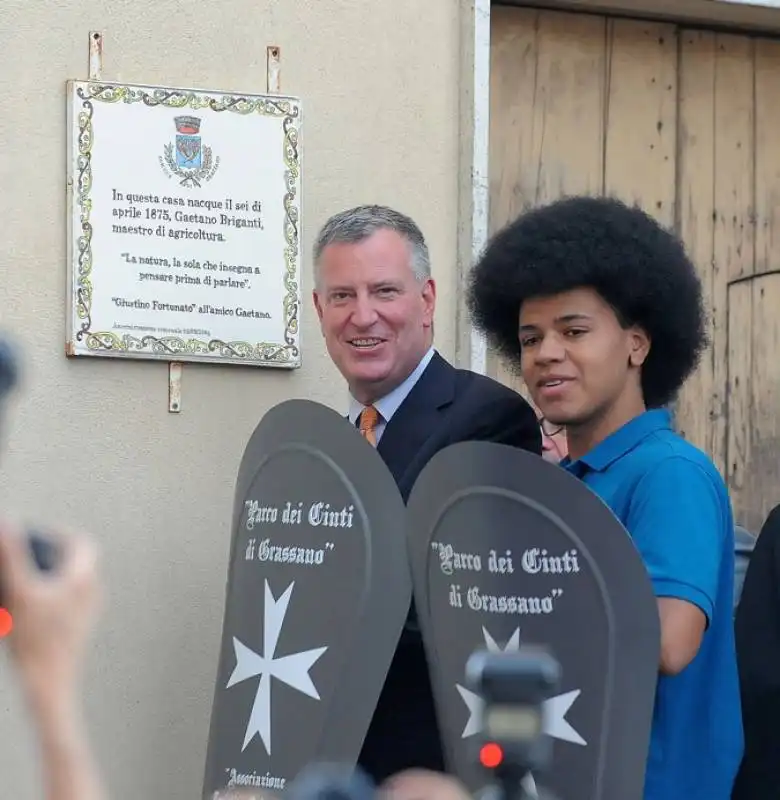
point(640, 269)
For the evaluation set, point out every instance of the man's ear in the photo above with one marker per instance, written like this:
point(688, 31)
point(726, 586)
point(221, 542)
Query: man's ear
point(639, 344)
point(317, 303)
point(429, 301)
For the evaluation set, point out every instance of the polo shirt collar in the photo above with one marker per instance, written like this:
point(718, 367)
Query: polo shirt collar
point(622, 441)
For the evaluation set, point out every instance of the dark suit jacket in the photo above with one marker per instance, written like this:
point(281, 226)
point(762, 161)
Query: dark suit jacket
point(446, 406)
point(757, 630)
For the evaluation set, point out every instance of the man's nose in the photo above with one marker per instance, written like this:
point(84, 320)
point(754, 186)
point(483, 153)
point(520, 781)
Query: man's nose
point(550, 349)
point(363, 313)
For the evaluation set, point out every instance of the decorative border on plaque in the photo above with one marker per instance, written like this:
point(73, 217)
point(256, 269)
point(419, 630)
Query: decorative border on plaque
point(283, 107)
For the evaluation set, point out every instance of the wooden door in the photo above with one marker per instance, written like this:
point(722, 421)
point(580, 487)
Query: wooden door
point(686, 124)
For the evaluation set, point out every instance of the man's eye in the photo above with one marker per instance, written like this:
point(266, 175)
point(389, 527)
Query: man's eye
point(528, 341)
point(575, 332)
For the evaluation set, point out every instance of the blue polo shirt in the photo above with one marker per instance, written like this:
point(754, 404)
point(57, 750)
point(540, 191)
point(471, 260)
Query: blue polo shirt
point(675, 505)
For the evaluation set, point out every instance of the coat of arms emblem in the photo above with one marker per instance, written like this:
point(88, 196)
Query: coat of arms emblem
point(187, 158)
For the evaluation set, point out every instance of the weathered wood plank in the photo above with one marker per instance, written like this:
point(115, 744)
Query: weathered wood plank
point(513, 55)
point(754, 399)
point(641, 116)
point(754, 329)
point(740, 369)
point(734, 237)
point(763, 465)
point(695, 406)
point(767, 155)
point(734, 155)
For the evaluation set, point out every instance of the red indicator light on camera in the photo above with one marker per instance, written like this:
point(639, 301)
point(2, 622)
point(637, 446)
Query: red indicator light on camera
point(491, 755)
point(6, 622)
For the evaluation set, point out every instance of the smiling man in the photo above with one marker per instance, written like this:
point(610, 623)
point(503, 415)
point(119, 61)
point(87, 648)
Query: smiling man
point(602, 309)
point(375, 298)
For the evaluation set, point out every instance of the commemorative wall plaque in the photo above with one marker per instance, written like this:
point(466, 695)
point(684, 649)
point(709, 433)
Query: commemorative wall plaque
point(184, 224)
point(310, 623)
point(507, 550)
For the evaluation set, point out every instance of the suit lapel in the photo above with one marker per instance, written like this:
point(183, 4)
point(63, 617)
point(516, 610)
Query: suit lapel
point(417, 418)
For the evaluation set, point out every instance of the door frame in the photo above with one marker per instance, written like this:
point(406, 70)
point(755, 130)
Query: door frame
point(474, 206)
point(738, 16)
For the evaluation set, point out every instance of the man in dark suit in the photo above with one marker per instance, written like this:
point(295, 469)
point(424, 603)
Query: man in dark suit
point(757, 629)
point(375, 299)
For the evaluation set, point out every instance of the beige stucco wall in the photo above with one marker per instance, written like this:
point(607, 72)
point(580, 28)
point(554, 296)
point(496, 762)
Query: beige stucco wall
point(90, 442)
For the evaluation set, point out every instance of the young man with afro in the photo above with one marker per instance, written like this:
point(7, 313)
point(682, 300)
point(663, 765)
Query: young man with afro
point(601, 309)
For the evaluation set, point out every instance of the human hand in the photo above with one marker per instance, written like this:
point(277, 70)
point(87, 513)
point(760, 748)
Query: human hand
point(53, 612)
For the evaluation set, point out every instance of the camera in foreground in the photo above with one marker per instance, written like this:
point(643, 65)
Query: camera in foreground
point(512, 747)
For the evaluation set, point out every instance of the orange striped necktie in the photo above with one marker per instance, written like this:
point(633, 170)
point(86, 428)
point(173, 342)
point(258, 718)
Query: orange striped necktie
point(368, 422)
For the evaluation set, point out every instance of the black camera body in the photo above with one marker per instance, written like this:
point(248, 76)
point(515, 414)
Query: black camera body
point(44, 554)
point(513, 687)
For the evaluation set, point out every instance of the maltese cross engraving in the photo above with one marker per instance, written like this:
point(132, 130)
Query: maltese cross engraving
point(554, 709)
point(291, 669)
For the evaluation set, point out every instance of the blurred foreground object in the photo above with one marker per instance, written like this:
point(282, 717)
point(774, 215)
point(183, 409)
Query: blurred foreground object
point(512, 745)
point(54, 614)
point(50, 615)
point(41, 547)
point(325, 781)
point(422, 784)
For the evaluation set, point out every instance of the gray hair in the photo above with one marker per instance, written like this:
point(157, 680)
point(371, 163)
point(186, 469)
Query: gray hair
point(357, 224)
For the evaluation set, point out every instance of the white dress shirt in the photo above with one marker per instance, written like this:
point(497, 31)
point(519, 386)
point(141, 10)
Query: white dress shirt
point(391, 402)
